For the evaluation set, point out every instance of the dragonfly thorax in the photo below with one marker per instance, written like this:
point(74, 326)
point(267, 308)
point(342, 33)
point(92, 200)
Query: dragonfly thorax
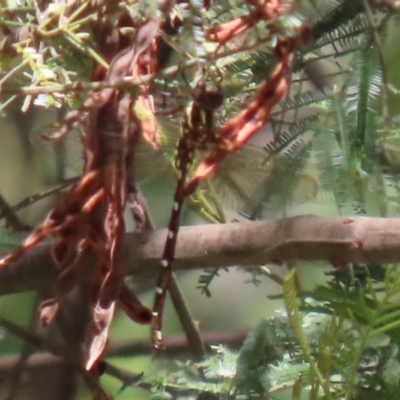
point(207, 95)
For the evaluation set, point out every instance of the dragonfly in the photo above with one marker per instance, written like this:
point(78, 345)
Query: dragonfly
point(247, 181)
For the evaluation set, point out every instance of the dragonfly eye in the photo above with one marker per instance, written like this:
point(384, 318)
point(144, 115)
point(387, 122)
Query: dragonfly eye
point(207, 96)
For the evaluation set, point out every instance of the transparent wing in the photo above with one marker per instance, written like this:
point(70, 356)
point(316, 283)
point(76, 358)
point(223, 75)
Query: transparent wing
point(64, 154)
point(250, 179)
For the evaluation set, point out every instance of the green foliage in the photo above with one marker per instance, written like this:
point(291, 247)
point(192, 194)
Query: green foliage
point(342, 344)
point(206, 278)
point(255, 357)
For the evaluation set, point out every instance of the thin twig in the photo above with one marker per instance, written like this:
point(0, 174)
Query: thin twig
point(24, 355)
point(41, 343)
point(185, 316)
point(127, 377)
point(64, 355)
point(11, 218)
point(38, 196)
point(175, 345)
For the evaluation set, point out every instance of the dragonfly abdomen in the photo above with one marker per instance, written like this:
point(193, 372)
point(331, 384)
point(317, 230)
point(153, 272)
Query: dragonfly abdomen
point(198, 134)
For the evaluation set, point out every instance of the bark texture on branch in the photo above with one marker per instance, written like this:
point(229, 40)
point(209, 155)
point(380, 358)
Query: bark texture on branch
point(302, 238)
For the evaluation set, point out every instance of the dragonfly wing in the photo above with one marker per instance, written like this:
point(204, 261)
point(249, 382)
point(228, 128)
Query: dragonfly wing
point(239, 175)
point(150, 163)
point(287, 185)
point(64, 155)
point(251, 180)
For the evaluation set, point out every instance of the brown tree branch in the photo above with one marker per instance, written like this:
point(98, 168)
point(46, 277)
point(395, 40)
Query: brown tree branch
point(175, 345)
point(302, 238)
point(51, 358)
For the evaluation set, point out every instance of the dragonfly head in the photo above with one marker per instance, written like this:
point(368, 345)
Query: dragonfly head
point(207, 95)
